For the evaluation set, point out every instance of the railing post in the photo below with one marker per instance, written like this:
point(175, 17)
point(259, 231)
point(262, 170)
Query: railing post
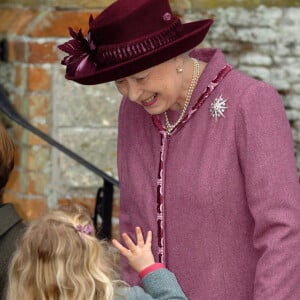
point(103, 209)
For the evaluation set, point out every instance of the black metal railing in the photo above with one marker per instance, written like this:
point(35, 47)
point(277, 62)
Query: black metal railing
point(104, 196)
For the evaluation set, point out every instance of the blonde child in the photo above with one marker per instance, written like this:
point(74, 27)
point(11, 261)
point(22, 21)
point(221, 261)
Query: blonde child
point(59, 257)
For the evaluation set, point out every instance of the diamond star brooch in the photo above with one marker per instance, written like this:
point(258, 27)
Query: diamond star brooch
point(218, 107)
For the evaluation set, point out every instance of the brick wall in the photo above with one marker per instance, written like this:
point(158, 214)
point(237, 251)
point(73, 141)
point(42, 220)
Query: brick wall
point(28, 78)
point(260, 41)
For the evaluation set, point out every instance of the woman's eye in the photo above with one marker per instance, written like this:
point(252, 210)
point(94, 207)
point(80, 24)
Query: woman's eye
point(118, 82)
point(141, 78)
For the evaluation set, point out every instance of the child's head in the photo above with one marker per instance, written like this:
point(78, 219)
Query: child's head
point(7, 150)
point(59, 257)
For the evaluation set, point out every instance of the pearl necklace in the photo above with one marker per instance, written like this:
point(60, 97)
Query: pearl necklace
point(196, 74)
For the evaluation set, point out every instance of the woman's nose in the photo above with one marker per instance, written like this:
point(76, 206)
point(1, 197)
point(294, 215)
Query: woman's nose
point(134, 92)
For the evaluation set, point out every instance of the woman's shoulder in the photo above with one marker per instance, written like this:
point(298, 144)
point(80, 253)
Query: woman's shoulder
point(248, 89)
point(242, 79)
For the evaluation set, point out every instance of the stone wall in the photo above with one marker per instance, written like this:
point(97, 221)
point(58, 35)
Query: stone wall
point(263, 42)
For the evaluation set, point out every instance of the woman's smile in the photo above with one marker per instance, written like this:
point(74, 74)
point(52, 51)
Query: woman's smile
point(150, 101)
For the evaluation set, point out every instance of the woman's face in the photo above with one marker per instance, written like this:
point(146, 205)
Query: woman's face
point(157, 89)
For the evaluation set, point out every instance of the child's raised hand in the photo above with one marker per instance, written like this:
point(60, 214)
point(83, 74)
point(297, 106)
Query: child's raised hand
point(139, 255)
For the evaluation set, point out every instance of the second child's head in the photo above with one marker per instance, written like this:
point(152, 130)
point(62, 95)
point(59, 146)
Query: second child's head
point(59, 257)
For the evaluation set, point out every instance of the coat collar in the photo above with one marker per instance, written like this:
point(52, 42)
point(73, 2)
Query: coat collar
point(8, 218)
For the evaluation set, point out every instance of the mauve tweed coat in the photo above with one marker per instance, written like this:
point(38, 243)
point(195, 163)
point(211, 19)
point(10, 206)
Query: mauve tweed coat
point(232, 194)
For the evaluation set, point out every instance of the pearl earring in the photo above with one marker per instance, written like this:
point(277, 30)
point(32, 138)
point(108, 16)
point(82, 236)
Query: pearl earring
point(179, 69)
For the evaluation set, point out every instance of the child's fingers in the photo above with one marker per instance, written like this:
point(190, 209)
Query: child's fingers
point(129, 243)
point(139, 236)
point(149, 238)
point(123, 250)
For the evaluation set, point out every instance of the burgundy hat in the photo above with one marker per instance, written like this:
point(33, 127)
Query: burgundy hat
point(129, 36)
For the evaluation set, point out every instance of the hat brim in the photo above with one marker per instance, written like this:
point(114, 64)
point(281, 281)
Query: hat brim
point(192, 34)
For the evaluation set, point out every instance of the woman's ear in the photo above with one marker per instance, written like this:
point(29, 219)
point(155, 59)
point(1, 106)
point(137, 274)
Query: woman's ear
point(179, 61)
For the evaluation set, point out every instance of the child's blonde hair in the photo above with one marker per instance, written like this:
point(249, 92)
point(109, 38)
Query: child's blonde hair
point(59, 259)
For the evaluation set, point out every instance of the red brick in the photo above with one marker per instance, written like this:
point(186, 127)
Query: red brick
point(43, 53)
point(33, 139)
point(18, 76)
point(13, 183)
point(24, 18)
point(14, 20)
point(56, 23)
point(38, 106)
point(17, 51)
point(38, 79)
point(7, 17)
point(35, 183)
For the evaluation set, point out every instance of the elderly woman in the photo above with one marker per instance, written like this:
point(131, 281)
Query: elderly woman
point(205, 153)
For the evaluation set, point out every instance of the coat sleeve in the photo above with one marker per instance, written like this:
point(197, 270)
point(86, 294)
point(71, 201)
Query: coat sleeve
point(160, 285)
point(266, 155)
